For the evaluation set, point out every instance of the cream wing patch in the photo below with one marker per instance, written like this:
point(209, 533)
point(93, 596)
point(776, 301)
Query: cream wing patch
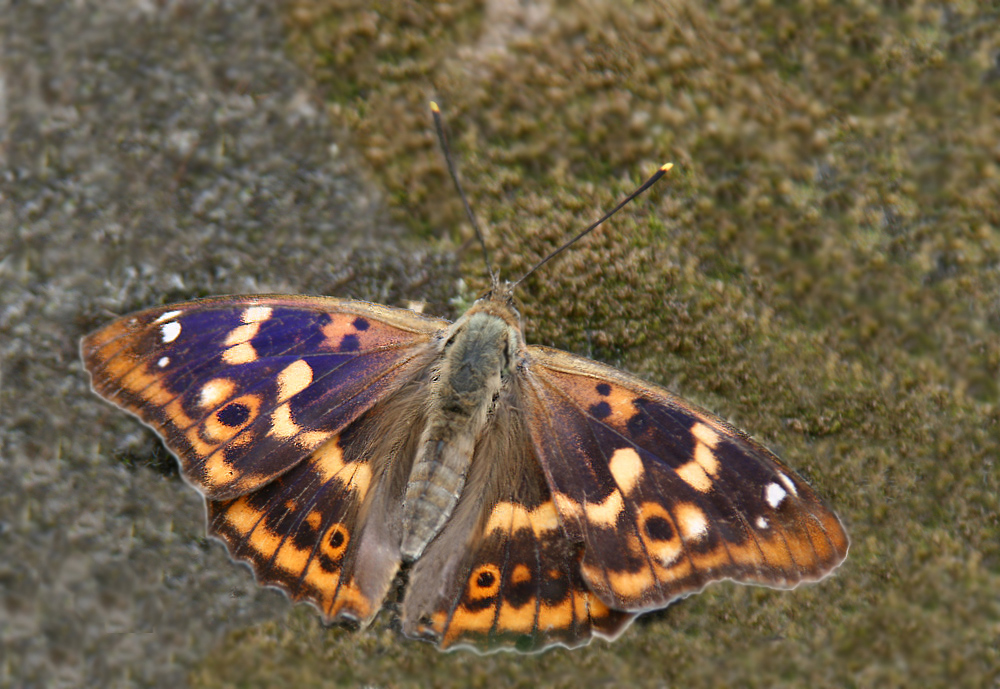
point(692, 521)
point(215, 391)
point(238, 348)
point(257, 314)
point(626, 468)
point(509, 516)
point(701, 471)
point(293, 379)
point(606, 513)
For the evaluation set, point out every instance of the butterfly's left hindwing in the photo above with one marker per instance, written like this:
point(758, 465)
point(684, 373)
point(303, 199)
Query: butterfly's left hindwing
point(327, 530)
point(297, 531)
point(242, 388)
point(664, 496)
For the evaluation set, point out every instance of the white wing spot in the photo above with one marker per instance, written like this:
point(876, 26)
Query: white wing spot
point(215, 391)
point(762, 522)
point(168, 316)
point(774, 494)
point(788, 484)
point(169, 331)
point(163, 362)
point(693, 523)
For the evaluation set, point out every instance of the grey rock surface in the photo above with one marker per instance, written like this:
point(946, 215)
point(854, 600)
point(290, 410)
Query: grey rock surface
point(150, 152)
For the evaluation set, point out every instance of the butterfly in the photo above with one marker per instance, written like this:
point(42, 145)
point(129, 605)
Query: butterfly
point(522, 496)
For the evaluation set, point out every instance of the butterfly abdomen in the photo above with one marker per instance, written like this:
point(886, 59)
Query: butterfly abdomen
point(470, 377)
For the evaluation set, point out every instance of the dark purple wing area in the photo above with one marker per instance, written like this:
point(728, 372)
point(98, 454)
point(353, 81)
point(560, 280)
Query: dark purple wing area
point(243, 388)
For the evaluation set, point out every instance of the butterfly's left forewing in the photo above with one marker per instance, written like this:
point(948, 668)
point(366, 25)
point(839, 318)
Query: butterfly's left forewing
point(664, 496)
point(242, 388)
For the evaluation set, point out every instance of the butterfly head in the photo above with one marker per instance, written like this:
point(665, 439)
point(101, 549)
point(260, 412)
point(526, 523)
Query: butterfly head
point(499, 300)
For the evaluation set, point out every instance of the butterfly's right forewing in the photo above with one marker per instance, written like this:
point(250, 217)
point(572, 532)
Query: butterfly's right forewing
point(664, 496)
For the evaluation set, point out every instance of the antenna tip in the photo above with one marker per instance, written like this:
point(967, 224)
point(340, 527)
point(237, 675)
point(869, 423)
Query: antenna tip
point(666, 166)
point(435, 108)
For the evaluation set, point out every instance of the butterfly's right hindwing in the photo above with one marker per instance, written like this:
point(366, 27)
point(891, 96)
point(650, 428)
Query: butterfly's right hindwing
point(502, 574)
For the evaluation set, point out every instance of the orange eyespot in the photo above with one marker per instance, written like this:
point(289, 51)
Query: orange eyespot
point(335, 542)
point(484, 582)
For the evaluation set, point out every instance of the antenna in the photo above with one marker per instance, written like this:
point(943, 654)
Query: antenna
point(645, 185)
point(436, 112)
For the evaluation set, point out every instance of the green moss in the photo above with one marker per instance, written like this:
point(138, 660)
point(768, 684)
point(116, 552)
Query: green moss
point(820, 266)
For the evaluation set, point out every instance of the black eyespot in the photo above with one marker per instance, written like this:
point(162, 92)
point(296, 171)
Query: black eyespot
point(349, 343)
point(603, 389)
point(485, 579)
point(659, 529)
point(601, 410)
point(637, 424)
point(337, 538)
point(360, 324)
point(233, 415)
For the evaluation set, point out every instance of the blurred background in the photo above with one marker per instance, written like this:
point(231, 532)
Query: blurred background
point(821, 267)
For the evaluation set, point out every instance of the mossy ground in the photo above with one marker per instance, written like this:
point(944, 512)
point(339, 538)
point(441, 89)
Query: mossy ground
point(820, 266)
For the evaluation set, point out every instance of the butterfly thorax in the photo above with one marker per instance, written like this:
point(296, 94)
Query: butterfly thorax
point(478, 354)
